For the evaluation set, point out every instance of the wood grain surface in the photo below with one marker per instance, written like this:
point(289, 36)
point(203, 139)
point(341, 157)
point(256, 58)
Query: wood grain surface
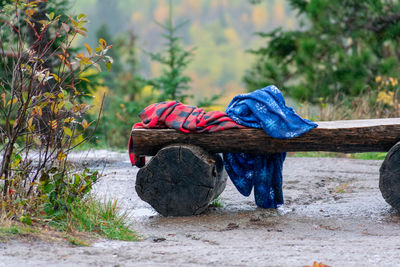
point(349, 136)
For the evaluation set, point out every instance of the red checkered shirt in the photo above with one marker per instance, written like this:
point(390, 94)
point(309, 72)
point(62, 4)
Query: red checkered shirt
point(175, 115)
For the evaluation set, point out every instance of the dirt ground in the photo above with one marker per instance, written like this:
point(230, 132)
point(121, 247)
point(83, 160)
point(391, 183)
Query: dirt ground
point(334, 214)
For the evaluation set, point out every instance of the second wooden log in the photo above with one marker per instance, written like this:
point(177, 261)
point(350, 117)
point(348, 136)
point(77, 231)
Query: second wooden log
point(389, 179)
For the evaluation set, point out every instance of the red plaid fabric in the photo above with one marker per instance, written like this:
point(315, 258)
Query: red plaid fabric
point(175, 115)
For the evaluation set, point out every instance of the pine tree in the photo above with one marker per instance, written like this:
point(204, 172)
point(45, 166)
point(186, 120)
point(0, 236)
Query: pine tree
point(339, 50)
point(173, 84)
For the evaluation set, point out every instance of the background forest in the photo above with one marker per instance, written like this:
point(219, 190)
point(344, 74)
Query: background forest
point(220, 31)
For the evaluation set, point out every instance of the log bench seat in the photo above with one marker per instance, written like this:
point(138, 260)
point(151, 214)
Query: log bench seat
point(185, 174)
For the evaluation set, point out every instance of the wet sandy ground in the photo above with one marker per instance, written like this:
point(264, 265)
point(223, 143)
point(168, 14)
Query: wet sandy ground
point(334, 213)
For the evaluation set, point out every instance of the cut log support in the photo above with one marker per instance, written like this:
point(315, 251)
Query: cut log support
point(389, 180)
point(181, 180)
point(350, 136)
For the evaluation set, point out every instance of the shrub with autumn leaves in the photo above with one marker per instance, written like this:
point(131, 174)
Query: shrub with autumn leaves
point(42, 104)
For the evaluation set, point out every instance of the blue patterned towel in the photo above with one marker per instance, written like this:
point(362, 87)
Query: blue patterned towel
point(266, 109)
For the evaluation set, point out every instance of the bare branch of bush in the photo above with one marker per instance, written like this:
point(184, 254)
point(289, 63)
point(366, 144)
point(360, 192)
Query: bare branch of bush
point(42, 105)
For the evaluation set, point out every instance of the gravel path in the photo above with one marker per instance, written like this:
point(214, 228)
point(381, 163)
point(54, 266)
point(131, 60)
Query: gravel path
point(334, 213)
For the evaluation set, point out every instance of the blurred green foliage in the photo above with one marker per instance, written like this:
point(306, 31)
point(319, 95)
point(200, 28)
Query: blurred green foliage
point(338, 50)
point(220, 30)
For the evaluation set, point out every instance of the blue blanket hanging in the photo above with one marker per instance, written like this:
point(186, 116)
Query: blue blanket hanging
point(266, 109)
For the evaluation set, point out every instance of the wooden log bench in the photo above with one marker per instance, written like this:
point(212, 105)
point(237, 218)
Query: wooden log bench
point(185, 174)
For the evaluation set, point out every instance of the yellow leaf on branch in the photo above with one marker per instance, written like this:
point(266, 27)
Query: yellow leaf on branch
point(37, 110)
point(68, 131)
point(14, 100)
point(85, 124)
point(15, 123)
point(3, 98)
point(103, 42)
point(55, 76)
point(53, 124)
point(386, 98)
point(88, 48)
point(29, 12)
point(81, 189)
point(54, 108)
point(61, 156)
point(69, 119)
point(84, 79)
point(30, 122)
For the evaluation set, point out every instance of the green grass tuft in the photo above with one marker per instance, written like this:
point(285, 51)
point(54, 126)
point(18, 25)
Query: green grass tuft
point(13, 230)
point(321, 154)
point(16, 229)
point(216, 203)
point(102, 218)
point(369, 155)
point(77, 241)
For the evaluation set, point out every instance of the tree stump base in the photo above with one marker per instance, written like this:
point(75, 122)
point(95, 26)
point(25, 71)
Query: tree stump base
point(389, 179)
point(181, 180)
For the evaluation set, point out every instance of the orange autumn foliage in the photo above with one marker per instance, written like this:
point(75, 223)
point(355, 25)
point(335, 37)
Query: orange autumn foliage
point(316, 264)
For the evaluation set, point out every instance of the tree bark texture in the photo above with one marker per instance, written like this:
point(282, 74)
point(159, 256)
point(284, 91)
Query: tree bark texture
point(389, 180)
point(349, 136)
point(181, 180)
